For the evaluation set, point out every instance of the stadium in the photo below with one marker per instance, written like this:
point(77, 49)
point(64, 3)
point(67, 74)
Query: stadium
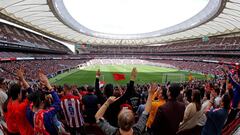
point(120, 67)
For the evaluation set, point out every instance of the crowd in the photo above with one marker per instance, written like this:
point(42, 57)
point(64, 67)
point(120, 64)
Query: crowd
point(188, 63)
point(48, 66)
point(54, 66)
point(12, 34)
point(125, 62)
point(209, 107)
point(11, 54)
point(202, 67)
point(200, 58)
point(214, 43)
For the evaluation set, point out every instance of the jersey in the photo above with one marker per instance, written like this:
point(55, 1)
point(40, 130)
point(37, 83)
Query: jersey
point(71, 109)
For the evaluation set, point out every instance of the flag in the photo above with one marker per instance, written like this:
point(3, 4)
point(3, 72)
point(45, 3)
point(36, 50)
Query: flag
point(118, 77)
point(190, 77)
point(101, 84)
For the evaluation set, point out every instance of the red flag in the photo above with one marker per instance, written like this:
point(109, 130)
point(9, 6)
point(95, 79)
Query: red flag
point(118, 77)
point(101, 84)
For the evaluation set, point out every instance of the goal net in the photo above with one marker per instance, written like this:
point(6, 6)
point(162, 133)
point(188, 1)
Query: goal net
point(173, 77)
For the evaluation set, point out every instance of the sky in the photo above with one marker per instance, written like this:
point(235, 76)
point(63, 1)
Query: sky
point(132, 16)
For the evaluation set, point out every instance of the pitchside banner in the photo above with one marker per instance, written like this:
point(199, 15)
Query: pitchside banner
point(8, 59)
point(25, 58)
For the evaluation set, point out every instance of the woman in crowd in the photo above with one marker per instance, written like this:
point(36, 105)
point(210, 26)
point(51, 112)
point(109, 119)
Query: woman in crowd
point(191, 116)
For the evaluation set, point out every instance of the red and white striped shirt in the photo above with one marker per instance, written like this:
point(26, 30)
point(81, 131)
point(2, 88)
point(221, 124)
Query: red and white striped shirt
point(71, 108)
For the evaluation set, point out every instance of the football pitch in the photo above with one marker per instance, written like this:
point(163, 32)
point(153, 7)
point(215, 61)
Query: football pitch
point(146, 74)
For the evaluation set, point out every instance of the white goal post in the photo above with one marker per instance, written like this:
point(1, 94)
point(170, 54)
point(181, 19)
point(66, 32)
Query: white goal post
point(173, 77)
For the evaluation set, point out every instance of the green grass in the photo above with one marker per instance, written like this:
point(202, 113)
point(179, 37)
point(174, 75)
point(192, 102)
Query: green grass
point(145, 74)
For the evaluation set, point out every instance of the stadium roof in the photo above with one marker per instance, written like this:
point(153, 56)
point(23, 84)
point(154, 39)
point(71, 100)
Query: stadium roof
point(51, 17)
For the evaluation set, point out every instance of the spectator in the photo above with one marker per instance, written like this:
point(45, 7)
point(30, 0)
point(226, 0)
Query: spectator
point(91, 105)
point(134, 100)
point(167, 120)
point(71, 108)
point(40, 117)
point(216, 117)
point(235, 97)
point(161, 95)
point(191, 115)
point(3, 98)
point(188, 96)
point(15, 114)
point(108, 89)
point(42, 106)
point(216, 93)
point(113, 110)
point(126, 118)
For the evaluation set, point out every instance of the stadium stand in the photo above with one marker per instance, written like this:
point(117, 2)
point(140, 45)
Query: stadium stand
point(30, 105)
point(50, 67)
point(215, 46)
point(204, 88)
point(15, 38)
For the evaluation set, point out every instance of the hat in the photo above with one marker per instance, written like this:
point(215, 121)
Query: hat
point(126, 106)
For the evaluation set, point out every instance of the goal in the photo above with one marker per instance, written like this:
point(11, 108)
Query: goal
point(173, 77)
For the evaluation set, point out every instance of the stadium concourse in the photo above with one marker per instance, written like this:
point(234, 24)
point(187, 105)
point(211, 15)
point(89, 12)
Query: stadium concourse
point(181, 80)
